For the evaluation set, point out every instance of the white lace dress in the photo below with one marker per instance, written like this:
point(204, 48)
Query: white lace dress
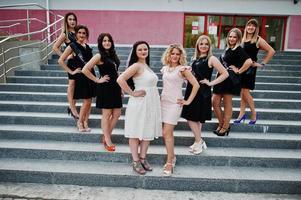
point(143, 114)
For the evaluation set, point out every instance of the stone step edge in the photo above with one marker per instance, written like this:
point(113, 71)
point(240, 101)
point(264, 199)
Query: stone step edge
point(124, 106)
point(68, 130)
point(153, 152)
point(97, 116)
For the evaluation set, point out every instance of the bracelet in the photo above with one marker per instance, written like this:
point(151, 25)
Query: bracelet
point(263, 64)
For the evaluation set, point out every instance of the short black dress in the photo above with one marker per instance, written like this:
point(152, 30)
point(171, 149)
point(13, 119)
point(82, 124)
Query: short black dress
point(70, 62)
point(248, 77)
point(84, 87)
point(236, 57)
point(199, 109)
point(108, 94)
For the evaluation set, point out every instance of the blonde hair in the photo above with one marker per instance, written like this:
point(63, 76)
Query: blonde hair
point(197, 52)
point(166, 55)
point(238, 35)
point(255, 34)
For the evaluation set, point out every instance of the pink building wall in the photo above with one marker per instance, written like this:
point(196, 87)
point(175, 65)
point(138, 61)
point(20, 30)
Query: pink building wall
point(127, 27)
point(294, 37)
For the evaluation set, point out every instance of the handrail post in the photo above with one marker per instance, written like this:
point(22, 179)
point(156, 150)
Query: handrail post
point(4, 67)
point(27, 23)
point(46, 53)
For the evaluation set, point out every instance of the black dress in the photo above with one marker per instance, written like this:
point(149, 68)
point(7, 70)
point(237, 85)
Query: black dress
point(70, 62)
point(108, 94)
point(200, 107)
point(84, 87)
point(236, 57)
point(248, 77)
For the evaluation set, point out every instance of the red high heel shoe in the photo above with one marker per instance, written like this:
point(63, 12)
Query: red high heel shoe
point(111, 148)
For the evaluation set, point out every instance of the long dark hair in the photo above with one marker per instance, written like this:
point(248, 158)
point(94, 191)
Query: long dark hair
point(66, 26)
point(111, 53)
point(133, 58)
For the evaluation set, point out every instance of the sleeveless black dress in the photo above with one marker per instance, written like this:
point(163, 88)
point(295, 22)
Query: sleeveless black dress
point(200, 108)
point(236, 57)
point(84, 87)
point(108, 94)
point(248, 77)
point(70, 62)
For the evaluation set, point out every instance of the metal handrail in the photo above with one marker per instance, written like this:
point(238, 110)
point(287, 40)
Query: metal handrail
point(26, 4)
point(43, 50)
point(20, 20)
point(28, 21)
point(8, 26)
point(31, 33)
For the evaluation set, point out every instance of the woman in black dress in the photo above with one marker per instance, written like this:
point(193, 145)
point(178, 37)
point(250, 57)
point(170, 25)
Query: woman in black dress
point(108, 92)
point(199, 110)
point(84, 87)
point(236, 61)
point(70, 21)
point(251, 45)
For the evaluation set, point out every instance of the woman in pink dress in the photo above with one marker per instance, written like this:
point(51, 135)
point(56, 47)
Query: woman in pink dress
point(174, 74)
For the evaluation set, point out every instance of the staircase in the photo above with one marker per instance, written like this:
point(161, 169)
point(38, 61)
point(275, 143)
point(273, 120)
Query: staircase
point(40, 144)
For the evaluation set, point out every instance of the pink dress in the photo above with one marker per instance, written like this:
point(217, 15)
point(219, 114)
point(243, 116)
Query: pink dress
point(172, 91)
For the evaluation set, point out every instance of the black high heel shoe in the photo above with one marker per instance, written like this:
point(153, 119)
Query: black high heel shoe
point(224, 133)
point(217, 130)
point(71, 113)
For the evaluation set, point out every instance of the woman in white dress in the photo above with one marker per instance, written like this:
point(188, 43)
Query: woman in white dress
point(143, 113)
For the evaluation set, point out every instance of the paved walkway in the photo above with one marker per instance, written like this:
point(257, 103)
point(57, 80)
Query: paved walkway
point(26, 191)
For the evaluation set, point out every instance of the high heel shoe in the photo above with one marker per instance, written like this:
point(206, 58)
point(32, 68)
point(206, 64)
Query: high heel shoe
point(80, 127)
point(252, 122)
point(217, 130)
point(238, 120)
point(224, 133)
point(111, 148)
point(71, 113)
point(145, 164)
point(137, 167)
point(198, 147)
point(87, 127)
point(167, 172)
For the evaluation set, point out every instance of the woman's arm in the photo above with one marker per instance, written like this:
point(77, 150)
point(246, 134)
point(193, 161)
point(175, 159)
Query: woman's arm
point(57, 45)
point(243, 68)
point(195, 87)
point(214, 62)
point(267, 48)
point(128, 73)
point(88, 68)
point(68, 51)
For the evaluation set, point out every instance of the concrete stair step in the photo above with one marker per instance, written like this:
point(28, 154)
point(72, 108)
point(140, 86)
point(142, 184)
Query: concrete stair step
point(182, 137)
point(36, 92)
point(198, 178)
point(61, 73)
point(64, 81)
point(213, 156)
point(60, 107)
point(59, 119)
point(61, 97)
point(154, 65)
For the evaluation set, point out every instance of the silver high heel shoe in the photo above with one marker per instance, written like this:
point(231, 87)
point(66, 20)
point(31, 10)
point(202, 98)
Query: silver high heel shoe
point(198, 147)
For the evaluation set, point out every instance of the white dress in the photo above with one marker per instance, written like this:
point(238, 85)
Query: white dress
point(143, 114)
